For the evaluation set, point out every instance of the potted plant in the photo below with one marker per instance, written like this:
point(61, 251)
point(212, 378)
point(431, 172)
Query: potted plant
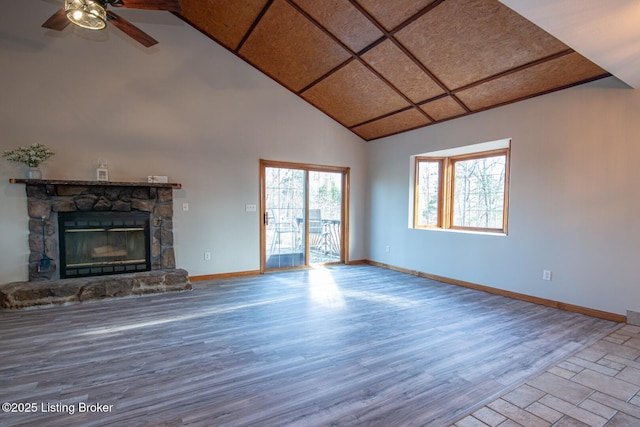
point(31, 156)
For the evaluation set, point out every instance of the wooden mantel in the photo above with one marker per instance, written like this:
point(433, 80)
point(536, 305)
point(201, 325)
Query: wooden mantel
point(95, 183)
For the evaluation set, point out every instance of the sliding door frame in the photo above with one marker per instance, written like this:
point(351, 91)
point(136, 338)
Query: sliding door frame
point(344, 213)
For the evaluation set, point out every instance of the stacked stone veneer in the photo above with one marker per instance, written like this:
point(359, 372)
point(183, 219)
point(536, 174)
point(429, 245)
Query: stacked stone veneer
point(47, 200)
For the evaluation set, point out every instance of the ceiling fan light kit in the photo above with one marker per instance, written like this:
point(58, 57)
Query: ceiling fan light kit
point(86, 14)
point(93, 15)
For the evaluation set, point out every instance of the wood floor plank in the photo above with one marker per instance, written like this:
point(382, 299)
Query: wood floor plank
point(345, 345)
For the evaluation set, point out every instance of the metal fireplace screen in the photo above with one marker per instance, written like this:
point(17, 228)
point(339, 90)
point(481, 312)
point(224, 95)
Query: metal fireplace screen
point(102, 243)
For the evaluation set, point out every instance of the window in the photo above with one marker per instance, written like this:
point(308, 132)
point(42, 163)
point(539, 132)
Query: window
point(466, 191)
point(428, 191)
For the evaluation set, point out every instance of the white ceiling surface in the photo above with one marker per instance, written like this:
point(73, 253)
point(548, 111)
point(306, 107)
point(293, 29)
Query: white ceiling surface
point(606, 32)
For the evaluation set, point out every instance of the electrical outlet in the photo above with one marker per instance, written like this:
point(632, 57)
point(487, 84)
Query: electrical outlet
point(387, 249)
point(207, 256)
point(185, 207)
point(546, 275)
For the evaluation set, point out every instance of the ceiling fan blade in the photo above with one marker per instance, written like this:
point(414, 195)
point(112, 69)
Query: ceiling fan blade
point(58, 21)
point(131, 30)
point(170, 5)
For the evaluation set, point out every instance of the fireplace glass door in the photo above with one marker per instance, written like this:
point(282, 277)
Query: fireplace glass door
point(102, 243)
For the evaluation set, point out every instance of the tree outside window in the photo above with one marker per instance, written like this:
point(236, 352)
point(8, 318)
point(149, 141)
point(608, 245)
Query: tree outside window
point(467, 192)
point(478, 192)
point(428, 193)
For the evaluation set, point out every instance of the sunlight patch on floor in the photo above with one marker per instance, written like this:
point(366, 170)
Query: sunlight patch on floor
point(323, 290)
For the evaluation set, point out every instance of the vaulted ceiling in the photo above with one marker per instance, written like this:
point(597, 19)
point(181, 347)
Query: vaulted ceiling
point(381, 67)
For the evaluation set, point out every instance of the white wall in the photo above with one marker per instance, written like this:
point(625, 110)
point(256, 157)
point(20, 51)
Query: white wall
point(573, 208)
point(186, 108)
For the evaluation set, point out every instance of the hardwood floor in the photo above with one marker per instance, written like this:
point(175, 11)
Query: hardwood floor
point(345, 345)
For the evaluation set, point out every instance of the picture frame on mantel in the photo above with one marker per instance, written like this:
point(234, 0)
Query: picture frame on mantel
point(102, 172)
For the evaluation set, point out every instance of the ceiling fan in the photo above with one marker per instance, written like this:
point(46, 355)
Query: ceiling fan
point(93, 14)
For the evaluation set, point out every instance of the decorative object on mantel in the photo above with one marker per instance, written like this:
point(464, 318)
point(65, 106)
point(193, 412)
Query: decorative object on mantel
point(31, 156)
point(102, 173)
point(158, 178)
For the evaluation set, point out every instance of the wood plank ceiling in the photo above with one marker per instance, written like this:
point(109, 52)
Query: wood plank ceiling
point(382, 67)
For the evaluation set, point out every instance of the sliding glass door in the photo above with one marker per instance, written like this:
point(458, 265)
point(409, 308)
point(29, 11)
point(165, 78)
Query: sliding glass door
point(304, 211)
point(284, 215)
point(325, 217)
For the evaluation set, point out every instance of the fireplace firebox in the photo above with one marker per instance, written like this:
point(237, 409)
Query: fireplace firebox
point(103, 243)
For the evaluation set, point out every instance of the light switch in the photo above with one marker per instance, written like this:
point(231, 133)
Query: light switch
point(250, 208)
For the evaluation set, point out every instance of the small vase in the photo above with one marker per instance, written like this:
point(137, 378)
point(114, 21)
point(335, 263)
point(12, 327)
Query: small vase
point(34, 173)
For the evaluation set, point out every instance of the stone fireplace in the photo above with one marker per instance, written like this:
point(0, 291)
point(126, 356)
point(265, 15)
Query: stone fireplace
point(117, 236)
